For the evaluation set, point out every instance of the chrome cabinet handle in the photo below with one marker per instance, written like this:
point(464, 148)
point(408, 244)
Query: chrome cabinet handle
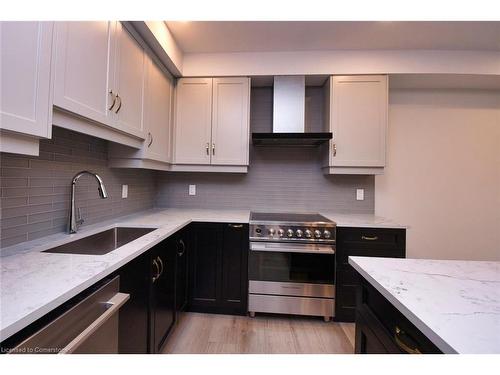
point(213, 148)
point(398, 334)
point(235, 225)
point(119, 103)
point(150, 136)
point(334, 149)
point(114, 100)
point(161, 264)
point(155, 277)
point(114, 304)
point(181, 253)
point(367, 238)
point(208, 148)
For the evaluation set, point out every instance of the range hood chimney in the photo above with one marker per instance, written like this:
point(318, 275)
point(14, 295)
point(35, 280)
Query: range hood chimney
point(289, 128)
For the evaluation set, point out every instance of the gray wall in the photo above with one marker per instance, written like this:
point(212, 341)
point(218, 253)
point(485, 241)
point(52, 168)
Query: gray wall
point(35, 190)
point(278, 178)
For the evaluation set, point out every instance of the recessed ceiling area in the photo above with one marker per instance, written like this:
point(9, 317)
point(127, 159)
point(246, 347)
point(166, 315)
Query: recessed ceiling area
point(264, 36)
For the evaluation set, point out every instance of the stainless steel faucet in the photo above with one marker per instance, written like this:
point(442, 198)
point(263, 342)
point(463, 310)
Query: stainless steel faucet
point(73, 222)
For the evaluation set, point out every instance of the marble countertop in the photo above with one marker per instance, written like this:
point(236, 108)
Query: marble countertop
point(33, 283)
point(456, 304)
point(362, 220)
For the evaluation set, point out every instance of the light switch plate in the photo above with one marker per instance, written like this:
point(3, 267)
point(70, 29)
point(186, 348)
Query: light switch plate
point(124, 191)
point(192, 189)
point(360, 194)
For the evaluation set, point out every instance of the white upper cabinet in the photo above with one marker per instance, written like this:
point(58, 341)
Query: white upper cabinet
point(193, 121)
point(84, 69)
point(129, 77)
point(356, 109)
point(230, 121)
point(212, 124)
point(25, 80)
point(158, 110)
point(155, 152)
point(99, 75)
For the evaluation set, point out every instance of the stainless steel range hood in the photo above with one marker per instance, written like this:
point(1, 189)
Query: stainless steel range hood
point(289, 128)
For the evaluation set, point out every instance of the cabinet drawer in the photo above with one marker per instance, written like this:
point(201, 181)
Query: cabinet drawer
point(371, 237)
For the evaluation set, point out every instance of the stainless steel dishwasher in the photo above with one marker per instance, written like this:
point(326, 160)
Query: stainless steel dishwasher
point(89, 327)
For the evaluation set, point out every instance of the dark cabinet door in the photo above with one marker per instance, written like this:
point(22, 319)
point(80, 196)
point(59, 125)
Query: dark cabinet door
point(234, 259)
point(375, 242)
point(133, 319)
point(205, 266)
point(163, 292)
point(181, 280)
point(218, 270)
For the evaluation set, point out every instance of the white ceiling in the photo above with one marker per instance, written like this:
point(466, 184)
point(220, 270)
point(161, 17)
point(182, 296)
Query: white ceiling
point(262, 36)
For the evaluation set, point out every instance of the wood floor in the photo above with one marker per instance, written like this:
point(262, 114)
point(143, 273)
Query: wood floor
point(265, 334)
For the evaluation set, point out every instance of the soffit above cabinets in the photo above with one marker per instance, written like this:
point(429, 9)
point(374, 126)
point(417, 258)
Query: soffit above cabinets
point(445, 81)
point(275, 36)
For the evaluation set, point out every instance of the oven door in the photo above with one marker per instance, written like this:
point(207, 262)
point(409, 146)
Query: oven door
point(292, 263)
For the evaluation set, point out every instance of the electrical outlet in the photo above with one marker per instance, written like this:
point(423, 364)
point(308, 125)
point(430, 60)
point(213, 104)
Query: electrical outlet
point(360, 194)
point(124, 191)
point(192, 189)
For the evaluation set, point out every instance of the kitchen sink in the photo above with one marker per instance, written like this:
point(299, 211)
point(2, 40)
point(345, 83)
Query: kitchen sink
point(101, 243)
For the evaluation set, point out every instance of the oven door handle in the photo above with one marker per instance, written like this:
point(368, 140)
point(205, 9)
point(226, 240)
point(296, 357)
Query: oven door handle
point(292, 248)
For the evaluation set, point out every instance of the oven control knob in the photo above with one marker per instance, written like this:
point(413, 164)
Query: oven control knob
point(271, 231)
point(317, 233)
point(289, 233)
point(308, 233)
point(281, 232)
point(327, 234)
point(298, 233)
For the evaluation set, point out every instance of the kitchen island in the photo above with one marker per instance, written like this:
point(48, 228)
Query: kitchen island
point(443, 306)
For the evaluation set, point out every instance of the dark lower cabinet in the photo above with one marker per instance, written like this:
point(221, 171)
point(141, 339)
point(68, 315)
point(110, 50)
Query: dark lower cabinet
point(234, 268)
point(148, 317)
point(182, 244)
point(375, 242)
point(218, 270)
point(203, 267)
point(162, 301)
point(383, 329)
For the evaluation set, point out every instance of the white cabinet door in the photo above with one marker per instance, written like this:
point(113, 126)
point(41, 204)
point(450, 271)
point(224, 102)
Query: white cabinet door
point(25, 81)
point(230, 121)
point(358, 121)
point(129, 77)
point(157, 113)
point(84, 69)
point(193, 115)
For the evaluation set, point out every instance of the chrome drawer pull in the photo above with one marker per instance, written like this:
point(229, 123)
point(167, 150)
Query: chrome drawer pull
point(119, 103)
point(367, 238)
point(160, 262)
point(114, 100)
point(235, 225)
point(157, 275)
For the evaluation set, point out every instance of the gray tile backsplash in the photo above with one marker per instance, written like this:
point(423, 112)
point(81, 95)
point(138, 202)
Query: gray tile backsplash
point(35, 191)
point(277, 179)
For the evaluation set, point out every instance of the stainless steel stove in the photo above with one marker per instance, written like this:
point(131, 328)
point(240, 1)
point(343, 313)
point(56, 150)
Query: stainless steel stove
point(292, 264)
point(291, 227)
